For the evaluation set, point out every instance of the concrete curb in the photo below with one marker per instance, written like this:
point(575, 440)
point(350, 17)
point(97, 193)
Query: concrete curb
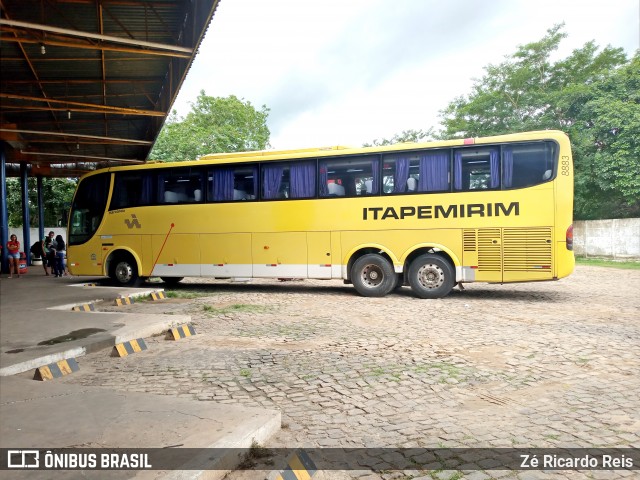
point(257, 430)
point(105, 340)
point(40, 361)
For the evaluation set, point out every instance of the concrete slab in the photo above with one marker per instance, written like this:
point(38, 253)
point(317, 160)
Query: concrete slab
point(59, 415)
point(55, 414)
point(38, 327)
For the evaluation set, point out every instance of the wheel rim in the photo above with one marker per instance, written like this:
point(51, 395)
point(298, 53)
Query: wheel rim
point(124, 272)
point(431, 276)
point(372, 276)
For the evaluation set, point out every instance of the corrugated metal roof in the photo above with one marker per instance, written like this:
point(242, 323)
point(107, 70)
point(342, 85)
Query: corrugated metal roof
point(88, 83)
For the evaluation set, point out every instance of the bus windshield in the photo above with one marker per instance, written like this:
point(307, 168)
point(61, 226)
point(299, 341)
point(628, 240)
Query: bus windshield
point(88, 208)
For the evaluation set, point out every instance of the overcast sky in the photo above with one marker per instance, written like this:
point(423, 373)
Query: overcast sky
point(345, 72)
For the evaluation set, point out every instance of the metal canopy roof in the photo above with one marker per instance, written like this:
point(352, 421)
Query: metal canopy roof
point(86, 84)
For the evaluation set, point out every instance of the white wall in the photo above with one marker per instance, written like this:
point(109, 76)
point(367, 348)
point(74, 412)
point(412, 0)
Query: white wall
point(618, 239)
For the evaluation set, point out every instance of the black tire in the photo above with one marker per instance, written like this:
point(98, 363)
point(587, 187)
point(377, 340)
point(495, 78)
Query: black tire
point(172, 280)
point(372, 275)
point(124, 271)
point(431, 276)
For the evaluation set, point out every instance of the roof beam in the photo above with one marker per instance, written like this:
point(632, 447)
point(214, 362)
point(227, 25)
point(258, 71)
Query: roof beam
point(95, 36)
point(78, 136)
point(100, 159)
point(90, 46)
point(75, 106)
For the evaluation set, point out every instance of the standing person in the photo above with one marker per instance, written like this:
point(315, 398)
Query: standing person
point(13, 250)
point(59, 266)
point(46, 252)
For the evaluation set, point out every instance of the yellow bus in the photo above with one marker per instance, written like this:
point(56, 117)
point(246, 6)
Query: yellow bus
point(428, 215)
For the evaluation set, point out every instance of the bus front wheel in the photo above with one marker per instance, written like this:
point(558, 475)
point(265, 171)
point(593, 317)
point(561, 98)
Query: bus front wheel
point(373, 276)
point(124, 271)
point(431, 276)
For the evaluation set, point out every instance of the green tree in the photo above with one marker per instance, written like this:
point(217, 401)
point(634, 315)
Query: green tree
point(406, 136)
point(610, 132)
point(592, 95)
point(213, 125)
point(56, 192)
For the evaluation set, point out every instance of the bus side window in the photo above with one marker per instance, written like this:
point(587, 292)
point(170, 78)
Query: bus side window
point(232, 183)
point(528, 164)
point(179, 185)
point(292, 180)
point(355, 175)
point(476, 169)
point(423, 171)
point(132, 190)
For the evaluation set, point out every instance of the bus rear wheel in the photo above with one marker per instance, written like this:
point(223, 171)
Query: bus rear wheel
point(124, 271)
point(372, 275)
point(431, 276)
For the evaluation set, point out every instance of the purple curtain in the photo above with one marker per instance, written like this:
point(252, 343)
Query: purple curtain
point(324, 180)
point(434, 172)
point(222, 185)
point(375, 166)
point(457, 170)
point(507, 167)
point(494, 168)
point(272, 178)
point(303, 180)
point(255, 181)
point(161, 189)
point(401, 176)
point(147, 190)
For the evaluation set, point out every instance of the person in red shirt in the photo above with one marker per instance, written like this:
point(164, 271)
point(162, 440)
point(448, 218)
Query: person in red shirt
point(13, 249)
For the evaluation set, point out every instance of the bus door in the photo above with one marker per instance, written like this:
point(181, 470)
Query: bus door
point(176, 255)
point(527, 254)
point(226, 255)
point(482, 251)
point(279, 255)
point(509, 254)
point(319, 254)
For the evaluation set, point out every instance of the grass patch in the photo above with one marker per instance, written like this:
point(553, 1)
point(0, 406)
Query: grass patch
point(245, 372)
point(235, 308)
point(184, 294)
point(599, 262)
point(256, 453)
point(448, 368)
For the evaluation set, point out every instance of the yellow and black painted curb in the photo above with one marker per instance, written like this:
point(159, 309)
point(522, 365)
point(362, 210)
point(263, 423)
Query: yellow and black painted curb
point(89, 284)
point(127, 348)
point(180, 332)
point(299, 467)
point(157, 296)
point(56, 369)
point(85, 307)
point(120, 301)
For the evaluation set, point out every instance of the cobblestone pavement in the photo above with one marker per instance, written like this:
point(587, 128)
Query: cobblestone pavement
point(551, 364)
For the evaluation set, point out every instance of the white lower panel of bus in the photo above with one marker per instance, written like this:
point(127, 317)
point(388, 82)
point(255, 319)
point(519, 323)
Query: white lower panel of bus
point(237, 270)
point(279, 271)
point(249, 270)
point(176, 270)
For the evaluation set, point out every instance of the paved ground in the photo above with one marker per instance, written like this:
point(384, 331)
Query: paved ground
point(529, 365)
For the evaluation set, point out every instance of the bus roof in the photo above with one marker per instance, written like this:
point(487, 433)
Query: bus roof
point(274, 155)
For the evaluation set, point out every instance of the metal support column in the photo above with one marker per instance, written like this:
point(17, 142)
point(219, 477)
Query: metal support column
point(26, 217)
point(40, 209)
point(4, 216)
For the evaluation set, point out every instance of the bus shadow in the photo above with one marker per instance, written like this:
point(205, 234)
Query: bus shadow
point(249, 287)
point(302, 287)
